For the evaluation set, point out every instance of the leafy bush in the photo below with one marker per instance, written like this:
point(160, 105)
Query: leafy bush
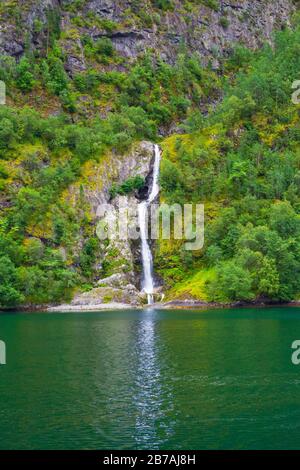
point(243, 163)
point(224, 22)
point(104, 46)
point(54, 75)
point(24, 77)
point(164, 4)
point(131, 184)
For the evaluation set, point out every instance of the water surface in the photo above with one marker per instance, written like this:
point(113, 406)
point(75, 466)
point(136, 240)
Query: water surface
point(218, 379)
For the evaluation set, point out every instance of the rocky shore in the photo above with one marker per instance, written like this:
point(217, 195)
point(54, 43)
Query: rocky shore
point(172, 305)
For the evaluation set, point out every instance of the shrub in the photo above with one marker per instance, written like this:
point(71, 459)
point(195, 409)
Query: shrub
point(25, 80)
point(104, 46)
point(224, 22)
point(131, 184)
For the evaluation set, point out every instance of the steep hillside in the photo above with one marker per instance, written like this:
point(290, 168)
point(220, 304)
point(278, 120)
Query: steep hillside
point(90, 85)
point(243, 162)
point(209, 27)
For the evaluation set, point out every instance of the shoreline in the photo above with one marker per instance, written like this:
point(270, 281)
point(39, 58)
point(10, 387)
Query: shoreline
point(172, 305)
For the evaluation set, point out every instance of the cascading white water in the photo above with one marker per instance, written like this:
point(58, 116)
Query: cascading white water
point(147, 259)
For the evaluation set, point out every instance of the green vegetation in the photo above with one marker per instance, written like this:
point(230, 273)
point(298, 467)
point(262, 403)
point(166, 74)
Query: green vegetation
point(41, 157)
point(224, 22)
point(130, 185)
point(242, 159)
point(244, 163)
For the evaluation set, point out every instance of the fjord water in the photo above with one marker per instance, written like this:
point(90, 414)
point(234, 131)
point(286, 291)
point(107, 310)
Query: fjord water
point(150, 379)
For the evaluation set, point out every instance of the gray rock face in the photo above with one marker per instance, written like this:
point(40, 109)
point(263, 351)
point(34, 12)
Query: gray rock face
point(138, 162)
point(13, 34)
point(102, 296)
point(103, 8)
point(202, 29)
point(115, 280)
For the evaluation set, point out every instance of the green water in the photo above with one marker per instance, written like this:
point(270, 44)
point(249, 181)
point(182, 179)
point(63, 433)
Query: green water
point(150, 380)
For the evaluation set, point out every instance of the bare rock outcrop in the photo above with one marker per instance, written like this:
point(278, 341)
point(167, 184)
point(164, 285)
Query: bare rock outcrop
point(133, 27)
point(118, 260)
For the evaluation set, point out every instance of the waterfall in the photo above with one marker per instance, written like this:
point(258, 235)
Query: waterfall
point(147, 259)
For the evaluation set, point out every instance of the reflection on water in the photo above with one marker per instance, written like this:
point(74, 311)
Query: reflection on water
point(150, 380)
point(153, 397)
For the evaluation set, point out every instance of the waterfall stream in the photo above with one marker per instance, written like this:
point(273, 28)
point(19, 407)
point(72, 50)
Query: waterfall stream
point(147, 259)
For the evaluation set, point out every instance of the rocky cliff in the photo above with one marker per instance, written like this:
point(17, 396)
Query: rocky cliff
point(208, 27)
point(119, 257)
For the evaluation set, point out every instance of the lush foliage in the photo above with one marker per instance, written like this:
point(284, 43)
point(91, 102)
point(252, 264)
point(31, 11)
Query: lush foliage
point(132, 184)
point(41, 157)
point(243, 162)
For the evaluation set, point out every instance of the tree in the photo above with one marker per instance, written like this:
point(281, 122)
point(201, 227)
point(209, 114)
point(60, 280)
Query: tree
point(170, 176)
point(7, 133)
point(9, 293)
point(284, 220)
point(232, 283)
point(25, 78)
point(268, 278)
